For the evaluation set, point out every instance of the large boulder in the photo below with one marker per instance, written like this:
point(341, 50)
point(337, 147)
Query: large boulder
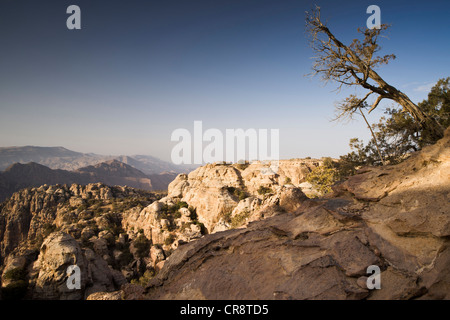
point(58, 252)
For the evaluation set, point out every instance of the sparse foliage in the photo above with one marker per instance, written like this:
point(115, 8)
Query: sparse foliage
point(397, 134)
point(354, 65)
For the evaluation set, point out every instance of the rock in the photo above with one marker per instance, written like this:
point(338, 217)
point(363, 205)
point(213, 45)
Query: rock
point(116, 295)
point(100, 246)
point(219, 188)
point(87, 233)
point(160, 265)
point(396, 286)
point(362, 282)
point(58, 252)
point(185, 212)
point(156, 254)
point(107, 236)
point(99, 273)
point(165, 224)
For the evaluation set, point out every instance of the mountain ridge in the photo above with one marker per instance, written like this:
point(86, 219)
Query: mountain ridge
point(19, 176)
point(63, 158)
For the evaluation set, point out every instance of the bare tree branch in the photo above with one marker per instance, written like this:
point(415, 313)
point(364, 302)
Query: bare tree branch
point(354, 65)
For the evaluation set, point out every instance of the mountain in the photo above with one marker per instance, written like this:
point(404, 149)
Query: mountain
point(113, 172)
point(62, 158)
point(52, 157)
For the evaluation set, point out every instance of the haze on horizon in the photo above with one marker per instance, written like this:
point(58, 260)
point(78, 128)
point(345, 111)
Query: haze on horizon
point(138, 70)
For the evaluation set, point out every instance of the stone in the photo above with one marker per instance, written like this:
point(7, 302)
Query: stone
point(58, 252)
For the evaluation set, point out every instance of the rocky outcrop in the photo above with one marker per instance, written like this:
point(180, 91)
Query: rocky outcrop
point(58, 252)
point(45, 230)
point(218, 190)
point(395, 217)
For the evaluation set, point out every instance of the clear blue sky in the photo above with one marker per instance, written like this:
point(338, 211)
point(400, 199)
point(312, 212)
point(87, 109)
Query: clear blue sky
point(137, 70)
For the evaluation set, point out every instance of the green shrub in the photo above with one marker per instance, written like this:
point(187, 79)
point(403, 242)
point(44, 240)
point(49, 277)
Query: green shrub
point(17, 289)
point(177, 215)
point(203, 229)
point(142, 245)
point(239, 219)
point(169, 240)
point(225, 215)
point(145, 278)
point(193, 214)
point(322, 178)
point(15, 274)
point(264, 190)
point(241, 194)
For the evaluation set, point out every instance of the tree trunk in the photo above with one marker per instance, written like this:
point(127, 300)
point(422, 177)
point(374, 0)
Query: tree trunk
point(373, 136)
point(426, 122)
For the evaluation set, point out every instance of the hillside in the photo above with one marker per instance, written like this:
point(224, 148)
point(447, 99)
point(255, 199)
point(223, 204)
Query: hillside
point(62, 158)
point(113, 172)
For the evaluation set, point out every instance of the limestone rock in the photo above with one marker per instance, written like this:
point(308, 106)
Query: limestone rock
point(394, 217)
point(58, 252)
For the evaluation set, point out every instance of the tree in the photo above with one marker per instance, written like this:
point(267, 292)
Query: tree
point(397, 134)
point(354, 65)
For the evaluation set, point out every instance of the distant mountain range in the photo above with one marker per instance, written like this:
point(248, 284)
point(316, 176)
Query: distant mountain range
point(62, 158)
point(35, 166)
point(19, 176)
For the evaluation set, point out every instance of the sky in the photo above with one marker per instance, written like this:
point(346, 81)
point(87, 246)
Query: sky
point(138, 70)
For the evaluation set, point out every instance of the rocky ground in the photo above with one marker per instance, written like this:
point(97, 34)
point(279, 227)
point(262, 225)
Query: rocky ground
point(237, 231)
point(395, 217)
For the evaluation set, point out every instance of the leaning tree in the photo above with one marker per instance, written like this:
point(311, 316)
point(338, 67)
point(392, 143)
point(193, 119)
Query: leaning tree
point(354, 65)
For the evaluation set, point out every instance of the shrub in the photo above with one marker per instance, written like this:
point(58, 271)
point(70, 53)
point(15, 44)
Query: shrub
point(239, 219)
point(241, 194)
point(169, 240)
point(225, 215)
point(203, 229)
point(17, 289)
point(146, 277)
point(322, 178)
point(142, 245)
point(193, 214)
point(264, 190)
point(15, 274)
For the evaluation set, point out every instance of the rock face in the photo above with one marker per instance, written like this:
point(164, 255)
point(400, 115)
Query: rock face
point(220, 189)
point(45, 230)
point(58, 252)
point(394, 217)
